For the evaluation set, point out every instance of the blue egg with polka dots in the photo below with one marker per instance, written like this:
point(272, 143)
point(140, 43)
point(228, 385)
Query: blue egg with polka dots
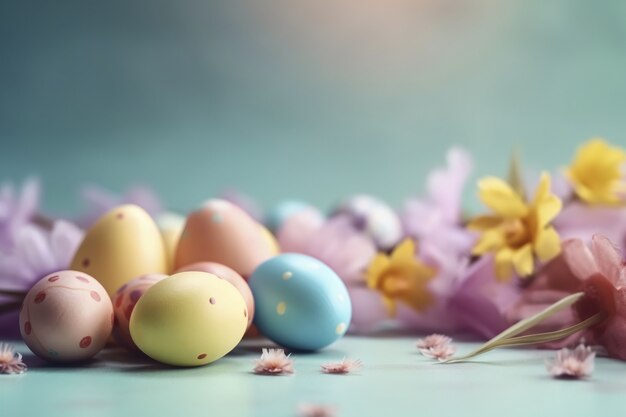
point(300, 303)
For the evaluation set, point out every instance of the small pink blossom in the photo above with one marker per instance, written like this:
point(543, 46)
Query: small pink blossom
point(343, 367)
point(440, 352)
point(316, 410)
point(572, 363)
point(432, 341)
point(274, 362)
point(10, 360)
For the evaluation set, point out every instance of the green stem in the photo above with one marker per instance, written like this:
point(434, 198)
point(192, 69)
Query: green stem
point(503, 338)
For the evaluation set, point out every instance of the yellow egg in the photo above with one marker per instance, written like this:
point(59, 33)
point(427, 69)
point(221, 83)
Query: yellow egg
point(271, 240)
point(171, 226)
point(189, 319)
point(123, 244)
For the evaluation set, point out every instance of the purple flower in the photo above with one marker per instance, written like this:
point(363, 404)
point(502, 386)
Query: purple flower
point(16, 209)
point(481, 302)
point(435, 223)
point(36, 253)
point(99, 201)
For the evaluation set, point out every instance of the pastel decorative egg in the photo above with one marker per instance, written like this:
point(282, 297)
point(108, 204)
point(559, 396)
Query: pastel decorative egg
point(221, 232)
point(230, 275)
point(189, 319)
point(124, 302)
point(375, 217)
point(171, 226)
point(123, 244)
point(67, 316)
point(271, 240)
point(300, 302)
point(278, 214)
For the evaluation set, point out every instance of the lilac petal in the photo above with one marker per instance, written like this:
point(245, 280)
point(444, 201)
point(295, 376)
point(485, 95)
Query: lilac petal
point(296, 231)
point(481, 300)
point(33, 248)
point(368, 310)
point(581, 221)
point(65, 238)
point(28, 203)
point(445, 186)
point(145, 198)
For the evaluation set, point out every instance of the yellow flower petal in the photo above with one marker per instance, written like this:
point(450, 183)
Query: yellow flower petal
point(501, 198)
point(523, 260)
point(376, 269)
point(547, 210)
point(490, 241)
point(481, 223)
point(596, 172)
point(547, 244)
point(405, 251)
point(504, 264)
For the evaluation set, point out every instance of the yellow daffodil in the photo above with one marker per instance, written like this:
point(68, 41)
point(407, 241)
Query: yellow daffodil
point(401, 277)
point(518, 230)
point(596, 173)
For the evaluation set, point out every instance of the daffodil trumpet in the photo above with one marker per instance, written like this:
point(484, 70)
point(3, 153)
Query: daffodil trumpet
point(510, 337)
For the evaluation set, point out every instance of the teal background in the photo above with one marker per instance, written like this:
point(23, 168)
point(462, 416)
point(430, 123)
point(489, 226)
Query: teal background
point(307, 99)
point(313, 100)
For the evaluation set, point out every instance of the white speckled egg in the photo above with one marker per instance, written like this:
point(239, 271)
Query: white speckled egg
point(300, 303)
point(124, 302)
point(66, 316)
point(375, 217)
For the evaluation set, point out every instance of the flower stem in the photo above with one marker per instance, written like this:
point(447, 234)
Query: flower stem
point(505, 338)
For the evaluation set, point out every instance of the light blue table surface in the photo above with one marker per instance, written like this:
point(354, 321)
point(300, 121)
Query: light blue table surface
point(394, 381)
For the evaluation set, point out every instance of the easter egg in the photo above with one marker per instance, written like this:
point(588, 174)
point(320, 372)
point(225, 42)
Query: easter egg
point(300, 303)
point(171, 226)
point(221, 232)
point(278, 214)
point(375, 218)
point(230, 275)
point(189, 319)
point(66, 316)
point(124, 302)
point(123, 244)
point(271, 240)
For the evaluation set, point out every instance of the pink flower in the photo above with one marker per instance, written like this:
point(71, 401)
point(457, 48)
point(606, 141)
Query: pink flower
point(274, 362)
point(432, 341)
point(316, 410)
point(441, 352)
point(10, 360)
point(581, 221)
point(343, 367)
point(572, 363)
point(603, 273)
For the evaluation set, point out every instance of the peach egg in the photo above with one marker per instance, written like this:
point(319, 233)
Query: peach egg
point(67, 316)
point(124, 302)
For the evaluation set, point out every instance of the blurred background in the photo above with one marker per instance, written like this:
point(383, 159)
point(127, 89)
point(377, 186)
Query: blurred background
point(313, 99)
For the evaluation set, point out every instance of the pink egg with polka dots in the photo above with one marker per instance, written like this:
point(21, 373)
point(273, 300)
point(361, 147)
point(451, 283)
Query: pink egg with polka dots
point(67, 316)
point(124, 302)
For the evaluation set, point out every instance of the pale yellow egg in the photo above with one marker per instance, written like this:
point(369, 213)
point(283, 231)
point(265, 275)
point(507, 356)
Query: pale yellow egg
point(123, 244)
point(189, 319)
